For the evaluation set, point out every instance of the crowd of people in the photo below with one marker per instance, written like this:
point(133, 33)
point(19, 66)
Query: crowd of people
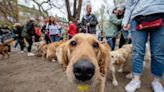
point(120, 21)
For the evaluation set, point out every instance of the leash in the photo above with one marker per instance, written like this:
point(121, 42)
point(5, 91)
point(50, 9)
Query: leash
point(116, 34)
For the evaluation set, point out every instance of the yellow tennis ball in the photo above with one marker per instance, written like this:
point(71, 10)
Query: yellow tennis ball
point(83, 87)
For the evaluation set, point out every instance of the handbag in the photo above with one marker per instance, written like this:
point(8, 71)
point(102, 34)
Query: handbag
point(157, 23)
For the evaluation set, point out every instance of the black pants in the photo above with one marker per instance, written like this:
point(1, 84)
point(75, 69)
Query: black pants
point(21, 43)
point(122, 41)
point(30, 42)
point(114, 42)
point(37, 38)
point(47, 39)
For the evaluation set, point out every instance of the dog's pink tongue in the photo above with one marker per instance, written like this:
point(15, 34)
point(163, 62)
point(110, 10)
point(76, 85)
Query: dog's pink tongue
point(82, 88)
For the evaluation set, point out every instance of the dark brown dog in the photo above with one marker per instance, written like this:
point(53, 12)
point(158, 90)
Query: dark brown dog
point(4, 50)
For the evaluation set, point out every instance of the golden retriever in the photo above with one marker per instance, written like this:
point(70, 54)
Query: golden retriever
point(51, 50)
point(42, 51)
point(86, 61)
point(120, 57)
point(59, 52)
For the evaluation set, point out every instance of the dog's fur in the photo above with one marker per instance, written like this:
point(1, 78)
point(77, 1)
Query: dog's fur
point(51, 50)
point(42, 51)
point(6, 48)
point(98, 56)
point(59, 52)
point(120, 58)
point(36, 47)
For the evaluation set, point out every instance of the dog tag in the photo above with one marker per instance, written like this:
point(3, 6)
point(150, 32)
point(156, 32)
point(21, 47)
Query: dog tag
point(83, 88)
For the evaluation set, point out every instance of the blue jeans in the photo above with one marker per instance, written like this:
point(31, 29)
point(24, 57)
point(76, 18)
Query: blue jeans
point(16, 43)
point(54, 38)
point(110, 42)
point(139, 39)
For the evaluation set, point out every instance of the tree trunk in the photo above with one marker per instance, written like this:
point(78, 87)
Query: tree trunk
point(76, 11)
point(74, 8)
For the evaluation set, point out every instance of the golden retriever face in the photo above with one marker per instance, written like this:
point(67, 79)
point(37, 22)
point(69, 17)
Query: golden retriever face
point(85, 59)
point(114, 57)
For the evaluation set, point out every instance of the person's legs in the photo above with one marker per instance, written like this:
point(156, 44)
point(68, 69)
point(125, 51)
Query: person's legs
point(139, 39)
point(122, 41)
point(114, 42)
point(57, 38)
point(37, 38)
point(157, 57)
point(2, 39)
point(30, 42)
point(21, 43)
point(47, 39)
point(157, 52)
point(110, 42)
point(16, 43)
point(53, 38)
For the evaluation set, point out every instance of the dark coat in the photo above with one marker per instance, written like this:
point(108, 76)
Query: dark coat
point(93, 23)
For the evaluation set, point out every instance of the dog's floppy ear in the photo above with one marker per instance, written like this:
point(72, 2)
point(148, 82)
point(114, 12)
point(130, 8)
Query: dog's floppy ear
point(103, 58)
point(65, 56)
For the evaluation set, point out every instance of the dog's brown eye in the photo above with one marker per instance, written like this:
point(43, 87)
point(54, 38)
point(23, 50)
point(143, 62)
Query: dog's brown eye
point(73, 43)
point(95, 45)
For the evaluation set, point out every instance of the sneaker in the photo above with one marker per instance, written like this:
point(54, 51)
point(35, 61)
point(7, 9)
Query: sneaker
point(30, 54)
point(157, 86)
point(133, 86)
point(21, 52)
point(15, 49)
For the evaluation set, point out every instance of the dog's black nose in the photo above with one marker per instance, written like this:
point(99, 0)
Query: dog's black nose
point(83, 70)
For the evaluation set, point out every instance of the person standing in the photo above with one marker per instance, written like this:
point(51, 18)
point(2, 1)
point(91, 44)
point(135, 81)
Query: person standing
point(45, 31)
point(53, 30)
point(38, 33)
point(114, 22)
point(89, 21)
point(29, 35)
point(18, 36)
point(71, 30)
point(78, 26)
point(123, 34)
point(137, 13)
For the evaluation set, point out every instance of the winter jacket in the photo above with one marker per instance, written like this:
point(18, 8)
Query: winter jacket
point(93, 23)
point(17, 32)
point(143, 7)
point(72, 30)
point(113, 25)
point(28, 30)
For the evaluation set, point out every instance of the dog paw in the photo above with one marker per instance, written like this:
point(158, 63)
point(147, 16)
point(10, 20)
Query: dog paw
point(129, 76)
point(120, 71)
point(115, 83)
point(53, 60)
